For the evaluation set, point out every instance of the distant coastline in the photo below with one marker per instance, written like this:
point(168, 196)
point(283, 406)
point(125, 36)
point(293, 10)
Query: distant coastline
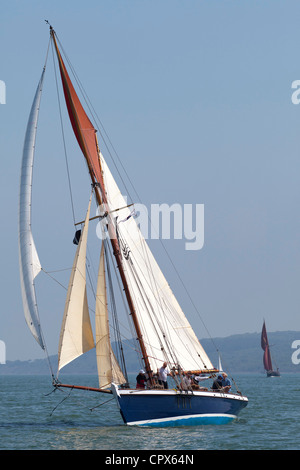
point(239, 353)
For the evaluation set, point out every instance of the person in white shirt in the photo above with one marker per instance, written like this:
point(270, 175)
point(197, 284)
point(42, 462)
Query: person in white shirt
point(187, 381)
point(163, 375)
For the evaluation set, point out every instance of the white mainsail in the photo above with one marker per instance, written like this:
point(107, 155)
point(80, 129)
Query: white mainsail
point(108, 368)
point(166, 332)
point(76, 335)
point(28, 258)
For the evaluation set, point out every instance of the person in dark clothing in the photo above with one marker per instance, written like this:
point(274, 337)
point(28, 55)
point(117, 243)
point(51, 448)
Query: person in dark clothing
point(217, 384)
point(141, 379)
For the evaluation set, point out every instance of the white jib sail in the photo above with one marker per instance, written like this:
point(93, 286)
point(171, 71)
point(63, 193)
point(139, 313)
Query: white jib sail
point(28, 258)
point(76, 335)
point(167, 334)
point(108, 368)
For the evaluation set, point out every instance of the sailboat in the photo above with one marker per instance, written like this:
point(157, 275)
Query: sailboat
point(161, 329)
point(267, 361)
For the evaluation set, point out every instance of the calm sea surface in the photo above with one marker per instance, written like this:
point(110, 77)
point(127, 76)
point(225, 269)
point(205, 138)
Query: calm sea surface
point(33, 417)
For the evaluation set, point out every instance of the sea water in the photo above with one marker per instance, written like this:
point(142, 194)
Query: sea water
point(34, 417)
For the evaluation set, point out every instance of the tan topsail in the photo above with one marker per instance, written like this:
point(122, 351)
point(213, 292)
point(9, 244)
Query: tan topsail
point(108, 368)
point(76, 335)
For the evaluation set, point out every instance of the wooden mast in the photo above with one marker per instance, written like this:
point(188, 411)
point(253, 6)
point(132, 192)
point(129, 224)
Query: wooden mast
point(100, 193)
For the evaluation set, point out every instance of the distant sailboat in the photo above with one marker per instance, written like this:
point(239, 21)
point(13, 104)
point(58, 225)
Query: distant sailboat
point(162, 331)
point(267, 361)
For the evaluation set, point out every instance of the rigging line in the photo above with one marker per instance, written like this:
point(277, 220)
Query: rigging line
point(59, 270)
point(64, 287)
point(90, 279)
point(79, 402)
point(47, 356)
point(63, 135)
point(125, 305)
point(91, 265)
point(61, 400)
point(53, 278)
point(101, 404)
point(47, 53)
point(115, 313)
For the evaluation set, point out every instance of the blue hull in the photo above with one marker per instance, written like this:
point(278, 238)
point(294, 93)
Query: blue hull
point(173, 408)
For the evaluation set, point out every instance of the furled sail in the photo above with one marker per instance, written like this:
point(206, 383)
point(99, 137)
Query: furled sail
point(28, 258)
point(108, 368)
point(265, 346)
point(166, 331)
point(76, 335)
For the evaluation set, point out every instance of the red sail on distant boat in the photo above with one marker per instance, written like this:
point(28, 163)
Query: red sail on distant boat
point(265, 346)
point(267, 361)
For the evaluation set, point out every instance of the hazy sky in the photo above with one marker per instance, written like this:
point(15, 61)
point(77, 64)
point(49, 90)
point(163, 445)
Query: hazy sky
point(196, 99)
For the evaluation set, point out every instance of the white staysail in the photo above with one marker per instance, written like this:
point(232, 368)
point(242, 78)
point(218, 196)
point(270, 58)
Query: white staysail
point(167, 334)
point(76, 335)
point(28, 258)
point(108, 368)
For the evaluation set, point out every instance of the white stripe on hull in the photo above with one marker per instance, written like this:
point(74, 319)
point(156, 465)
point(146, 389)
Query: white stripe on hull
point(208, 418)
